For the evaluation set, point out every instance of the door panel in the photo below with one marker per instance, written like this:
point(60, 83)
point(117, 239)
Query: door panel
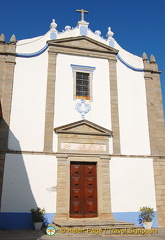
point(76, 184)
point(90, 193)
point(83, 190)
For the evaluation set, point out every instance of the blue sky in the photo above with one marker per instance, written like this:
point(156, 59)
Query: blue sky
point(138, 25)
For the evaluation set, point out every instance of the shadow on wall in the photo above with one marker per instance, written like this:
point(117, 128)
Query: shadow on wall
point(17, 198)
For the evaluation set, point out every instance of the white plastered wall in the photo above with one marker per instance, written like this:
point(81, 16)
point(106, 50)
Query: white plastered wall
point(29, 182)
point(132, 184)
point(32, 45)
point(28, 104)
point(133, 119)
point(29, 96)
point(65, 111)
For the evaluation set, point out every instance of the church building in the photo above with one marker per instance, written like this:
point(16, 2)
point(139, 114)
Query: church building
point(81, 129)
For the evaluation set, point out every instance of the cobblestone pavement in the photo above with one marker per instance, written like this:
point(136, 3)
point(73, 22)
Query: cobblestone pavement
point(40, 235)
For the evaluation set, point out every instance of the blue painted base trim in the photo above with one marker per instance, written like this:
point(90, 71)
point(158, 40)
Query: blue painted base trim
point(132, 217)
point(20, 220)
point(24, 220)
point(49, 218)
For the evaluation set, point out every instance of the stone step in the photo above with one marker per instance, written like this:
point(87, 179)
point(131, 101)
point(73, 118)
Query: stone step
point(86, 223)
point(92, 228)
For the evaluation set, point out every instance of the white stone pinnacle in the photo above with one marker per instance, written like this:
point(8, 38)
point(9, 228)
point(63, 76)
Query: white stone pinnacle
point(109, 33)
point(53, 25)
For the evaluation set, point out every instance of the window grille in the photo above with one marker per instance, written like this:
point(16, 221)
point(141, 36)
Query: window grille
point(82, 85)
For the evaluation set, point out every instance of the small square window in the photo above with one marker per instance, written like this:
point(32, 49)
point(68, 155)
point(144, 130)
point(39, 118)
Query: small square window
point(82, 82)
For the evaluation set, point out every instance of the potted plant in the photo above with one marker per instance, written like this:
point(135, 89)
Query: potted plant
point(146, 216)
point(38, 217)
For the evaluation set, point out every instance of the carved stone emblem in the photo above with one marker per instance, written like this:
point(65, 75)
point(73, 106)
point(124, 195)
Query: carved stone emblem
point(83, 108)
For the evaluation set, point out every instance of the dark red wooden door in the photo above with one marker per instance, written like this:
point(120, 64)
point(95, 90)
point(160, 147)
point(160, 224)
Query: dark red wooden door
point(83, 190)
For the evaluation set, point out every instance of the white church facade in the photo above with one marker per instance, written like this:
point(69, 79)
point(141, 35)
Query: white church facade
point(81, 129)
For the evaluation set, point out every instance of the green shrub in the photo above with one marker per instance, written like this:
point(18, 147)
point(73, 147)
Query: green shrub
point(147, 214)
point(38, 214)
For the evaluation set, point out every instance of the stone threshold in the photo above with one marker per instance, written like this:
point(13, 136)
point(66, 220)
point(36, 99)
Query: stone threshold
point(92, 222)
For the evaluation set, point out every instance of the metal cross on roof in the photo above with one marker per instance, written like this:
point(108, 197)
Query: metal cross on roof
point(82, 11)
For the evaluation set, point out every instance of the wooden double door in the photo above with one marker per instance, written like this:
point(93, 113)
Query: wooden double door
point(83, 190)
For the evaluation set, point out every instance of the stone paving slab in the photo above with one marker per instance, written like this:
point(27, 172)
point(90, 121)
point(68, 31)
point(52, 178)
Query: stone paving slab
point(40, 235)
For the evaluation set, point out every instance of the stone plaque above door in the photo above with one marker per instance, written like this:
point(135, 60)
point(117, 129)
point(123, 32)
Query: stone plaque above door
point(83, 136)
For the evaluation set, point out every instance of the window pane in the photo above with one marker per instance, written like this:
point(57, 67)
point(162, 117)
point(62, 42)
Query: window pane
point(82, 84)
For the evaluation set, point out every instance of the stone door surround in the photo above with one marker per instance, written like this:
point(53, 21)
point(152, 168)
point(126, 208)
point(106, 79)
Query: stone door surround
point(83, 141)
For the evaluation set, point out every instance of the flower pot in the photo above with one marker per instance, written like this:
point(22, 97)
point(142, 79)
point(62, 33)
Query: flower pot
point(38, 225)
point(147, 225)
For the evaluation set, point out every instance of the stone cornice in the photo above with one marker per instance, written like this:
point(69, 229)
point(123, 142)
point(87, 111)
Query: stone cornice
point(82, 46)
point(152, 71)
point(8, 53)
point(80, 154)
point(73, 128)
